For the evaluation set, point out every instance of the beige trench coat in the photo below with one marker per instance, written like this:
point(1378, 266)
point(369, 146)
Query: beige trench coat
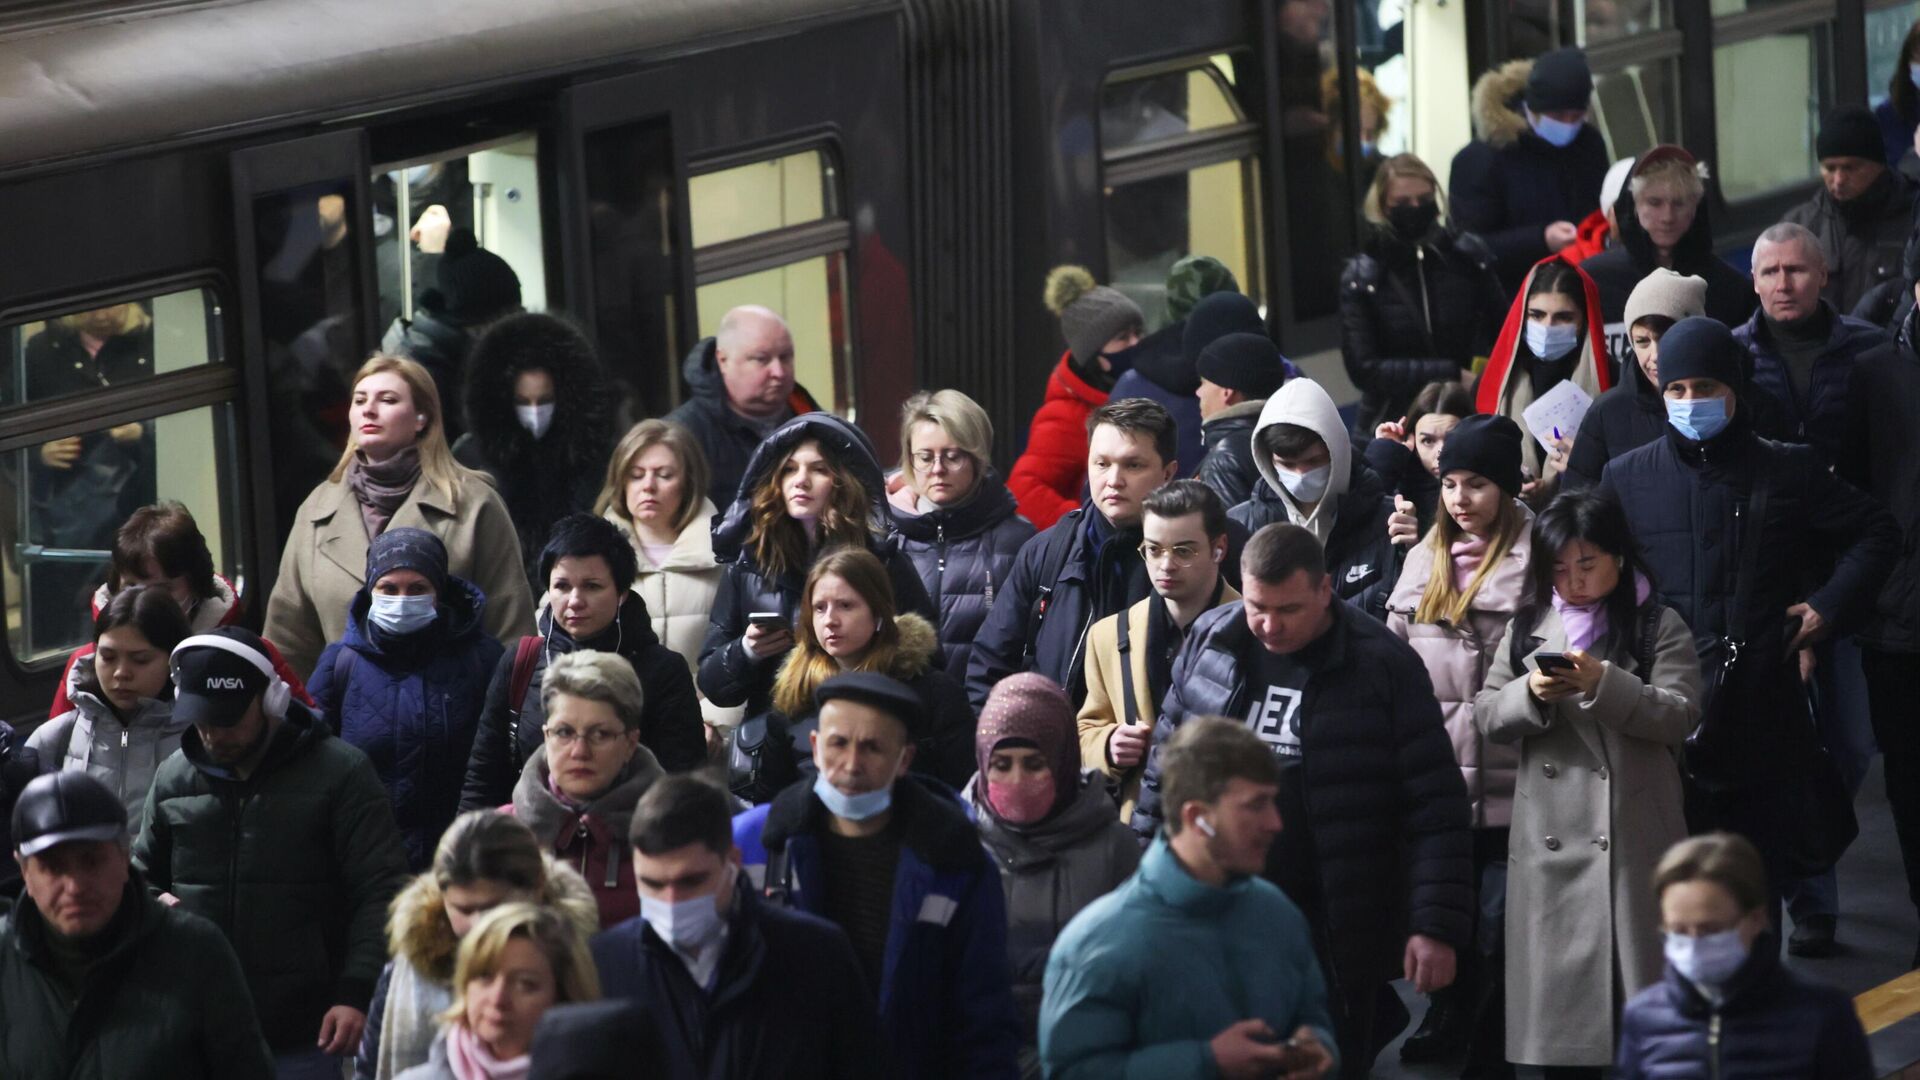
point(325, 563)
point(1596, 804)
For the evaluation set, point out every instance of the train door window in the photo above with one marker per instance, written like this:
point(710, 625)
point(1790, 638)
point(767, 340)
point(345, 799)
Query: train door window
point(1769, 92)
point(1181, 177)
point(1887, 28)
point(632, 192)
point(110, 345)
point(771, 232)
point(1635, 106)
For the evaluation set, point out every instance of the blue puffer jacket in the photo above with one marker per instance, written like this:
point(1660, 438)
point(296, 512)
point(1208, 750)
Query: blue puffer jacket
point(964, 556)
point(1772, 1023)
point(1389, 810)
point(1158, 369)
point(946, 998)
point(1819, 416)
point(412, 704)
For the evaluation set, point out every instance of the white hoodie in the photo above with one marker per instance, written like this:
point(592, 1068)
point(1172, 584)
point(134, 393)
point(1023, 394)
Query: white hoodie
point(1306, 404)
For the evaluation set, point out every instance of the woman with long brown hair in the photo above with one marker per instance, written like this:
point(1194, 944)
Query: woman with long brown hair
point(397, 470)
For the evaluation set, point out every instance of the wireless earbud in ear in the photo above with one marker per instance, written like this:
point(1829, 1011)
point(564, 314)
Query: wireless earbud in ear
point(1205, 826)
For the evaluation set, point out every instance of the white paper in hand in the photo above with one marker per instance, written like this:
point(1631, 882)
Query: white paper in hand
point(1561, 407)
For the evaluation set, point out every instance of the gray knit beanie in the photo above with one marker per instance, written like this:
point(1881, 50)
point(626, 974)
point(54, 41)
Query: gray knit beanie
point(1663, 292)
point(1090, 315)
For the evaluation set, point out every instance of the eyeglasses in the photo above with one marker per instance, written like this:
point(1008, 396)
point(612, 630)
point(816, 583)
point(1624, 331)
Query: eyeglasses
point(1179, 554)
point(563, 736)
point(952, 459)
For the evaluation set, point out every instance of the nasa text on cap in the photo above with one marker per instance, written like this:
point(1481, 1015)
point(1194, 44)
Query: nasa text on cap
point(218, 675)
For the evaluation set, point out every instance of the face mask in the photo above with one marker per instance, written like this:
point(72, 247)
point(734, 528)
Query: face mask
point(687, 925)
point(1023, 801)
point(1412, 220)
point(1555, 132)
point(1710, 959)
point(1309, 486)
point(859, 807)
point(399, 615)
point(1550, 342)
point(1700, 419)
point(535, 418)
point(1913, 72)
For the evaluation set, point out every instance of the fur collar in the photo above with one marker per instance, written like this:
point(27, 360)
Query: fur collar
point(910, 657)
point(418, 931)
point(1497, 119)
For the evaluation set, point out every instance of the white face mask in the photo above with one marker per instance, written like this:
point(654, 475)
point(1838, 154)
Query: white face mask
point(399, 615)
point(688, 925)
point(1550, 342)
point(1310, 486)
point(1707, 960)
point(535, 418)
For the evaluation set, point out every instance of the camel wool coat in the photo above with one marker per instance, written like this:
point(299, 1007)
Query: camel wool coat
point(324, 563)
point(1596, 804)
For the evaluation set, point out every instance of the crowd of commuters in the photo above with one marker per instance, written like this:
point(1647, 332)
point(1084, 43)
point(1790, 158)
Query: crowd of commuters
point(726, 748)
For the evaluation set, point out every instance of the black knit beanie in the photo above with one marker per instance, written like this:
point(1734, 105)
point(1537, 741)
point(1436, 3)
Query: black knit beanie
point(408, 549)
point(1851, 131)
point(1488, 445)
point(1698, 348)
point(475, 284)
point(1216, 316)
point(1559, 80)
point(1245, 362)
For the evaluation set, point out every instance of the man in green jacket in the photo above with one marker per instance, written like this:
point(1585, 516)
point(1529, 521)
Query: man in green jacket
point(100, 981)
point(281, 834)
point(1196, 967)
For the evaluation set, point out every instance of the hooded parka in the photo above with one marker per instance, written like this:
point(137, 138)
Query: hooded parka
point(679, 592)
point(1598, 804)
point(123, 753)
point(1457, 660)
point(1505, 388)
point(591, 837)
point(1050, 474)
point(1350, 520)
point(727, 438)
point(964, 555)
point(411, 704)
point(294, 863)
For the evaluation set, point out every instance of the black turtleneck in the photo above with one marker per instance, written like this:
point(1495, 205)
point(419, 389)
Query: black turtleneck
point(1800, 343)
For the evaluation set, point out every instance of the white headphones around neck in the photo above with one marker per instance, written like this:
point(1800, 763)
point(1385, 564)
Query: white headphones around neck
point(278, 694)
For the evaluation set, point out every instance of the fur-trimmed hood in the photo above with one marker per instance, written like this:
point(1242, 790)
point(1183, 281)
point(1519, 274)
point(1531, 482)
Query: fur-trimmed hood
point(418, 931)
point(846, 444)
point(1498, 119)
point(582, 430)
point(912, 657)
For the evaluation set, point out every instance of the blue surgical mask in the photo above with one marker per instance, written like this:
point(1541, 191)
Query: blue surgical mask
point(1556, 132)
point(1699, 419)
point(859, 807)
point(687, 925)
point(1708, 960)
point(535, 418)
point(1550, 342)
point(1310, 486)
point(399, 615)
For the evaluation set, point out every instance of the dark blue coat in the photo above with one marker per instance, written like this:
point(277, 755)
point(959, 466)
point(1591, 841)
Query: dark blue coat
point(1773, 1023)
point(1817, 416)
point(412, 705)
point(945, 994)
point(788, 1002)
point(964, 556)
point(1507, 195)
point(1389, 811)
point(1159, 370)
point(1051, 589)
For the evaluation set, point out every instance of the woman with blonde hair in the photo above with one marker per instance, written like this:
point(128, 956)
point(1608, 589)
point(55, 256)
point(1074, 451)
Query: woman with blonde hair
point(485, 859)
point(849, 623)
point(396, 470)
point(1458, 589)
point(1419, 302)
point(519, 961)
point(954, 517)
point(656, 491)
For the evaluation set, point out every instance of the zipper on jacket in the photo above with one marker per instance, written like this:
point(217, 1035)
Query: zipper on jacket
point(940, 538)
point(1713, 1046)
point(1426, 307)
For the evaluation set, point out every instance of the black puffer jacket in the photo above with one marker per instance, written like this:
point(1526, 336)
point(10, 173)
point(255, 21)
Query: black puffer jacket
point(509, 732)
point(728, 440)
point(541, 480)
point(1411, 314)
point(1228, 467)
point(1865, 242)
point(1363, 562)
point(728, 676)
point(1628, 416)
point(1389, 810)
point(1402, 473)
point(1883, 412)
point(1771, 1023)
point(964, 555)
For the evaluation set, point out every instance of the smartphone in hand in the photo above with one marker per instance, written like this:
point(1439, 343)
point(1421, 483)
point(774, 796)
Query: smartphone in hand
point(768, 621)
point(1552, 663)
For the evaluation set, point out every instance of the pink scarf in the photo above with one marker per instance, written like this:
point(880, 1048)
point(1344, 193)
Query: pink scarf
point(470, 1061)
point(1467, 556)
point(1587, 623)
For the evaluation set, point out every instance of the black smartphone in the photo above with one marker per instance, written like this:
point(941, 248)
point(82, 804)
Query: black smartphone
point(768, 621)
point(1552, 663)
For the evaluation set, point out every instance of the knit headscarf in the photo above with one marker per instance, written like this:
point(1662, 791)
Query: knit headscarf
point(1033, 708)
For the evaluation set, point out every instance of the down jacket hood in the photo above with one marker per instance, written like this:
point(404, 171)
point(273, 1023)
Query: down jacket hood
point(846, 444)
point(700, 373)
point(1305, 403)
point(1497, 116)
point(417, 927)
point(582, 427)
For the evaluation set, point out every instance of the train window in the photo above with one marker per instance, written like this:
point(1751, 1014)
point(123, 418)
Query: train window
point(1610, 20)
point(1886, 32)
point(111, 344)
point(812, 297)
point(1181, 178)
point(762, 197)
point(79, 488)
point(1636, 107)
point(1768, 93)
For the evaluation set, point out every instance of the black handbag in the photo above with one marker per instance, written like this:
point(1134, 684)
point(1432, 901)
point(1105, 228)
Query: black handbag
point(1722, 751)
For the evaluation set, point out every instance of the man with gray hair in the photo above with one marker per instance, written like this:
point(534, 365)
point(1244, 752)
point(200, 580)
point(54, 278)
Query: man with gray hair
point(740, 387)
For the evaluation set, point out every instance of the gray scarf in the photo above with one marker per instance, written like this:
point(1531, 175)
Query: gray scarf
point(382, 487)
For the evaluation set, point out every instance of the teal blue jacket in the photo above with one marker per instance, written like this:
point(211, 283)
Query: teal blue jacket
point(1142, 980)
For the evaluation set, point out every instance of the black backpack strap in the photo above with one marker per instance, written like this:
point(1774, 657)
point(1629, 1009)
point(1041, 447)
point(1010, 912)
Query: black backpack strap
point(1053, 556)
point(524, 655)
point(1130, 711)
point(776, 887)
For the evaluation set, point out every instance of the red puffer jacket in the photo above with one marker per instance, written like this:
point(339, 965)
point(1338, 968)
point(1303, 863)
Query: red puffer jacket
point(1047, 480)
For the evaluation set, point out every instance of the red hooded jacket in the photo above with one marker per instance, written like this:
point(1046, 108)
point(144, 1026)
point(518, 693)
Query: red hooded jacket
point(1047, 479)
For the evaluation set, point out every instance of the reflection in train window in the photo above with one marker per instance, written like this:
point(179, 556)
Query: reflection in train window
point(58, 530)
point(812, 295)
point(761, 197)
point(111, 345)
point(1636, 108)
point(1181, 178)
point(1768, 93)
point(1886, 32)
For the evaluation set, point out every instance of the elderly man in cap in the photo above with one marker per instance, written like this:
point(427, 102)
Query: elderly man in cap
point(1237, 374)
point(98, 979)
point(281, 834)
point(895, 863)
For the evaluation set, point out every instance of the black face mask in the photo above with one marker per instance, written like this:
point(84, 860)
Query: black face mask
point(1411, 221)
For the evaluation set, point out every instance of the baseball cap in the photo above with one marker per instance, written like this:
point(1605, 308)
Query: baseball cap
point(218, 674)
point(61, 807)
